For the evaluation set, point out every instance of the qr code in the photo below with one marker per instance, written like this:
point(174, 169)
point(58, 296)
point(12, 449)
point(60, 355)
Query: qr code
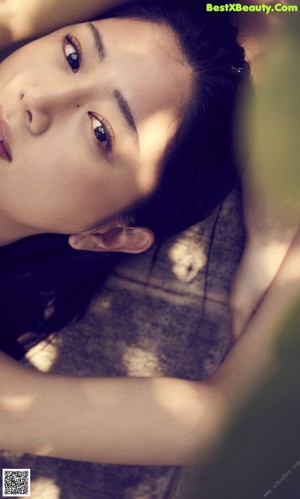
point(15, 482)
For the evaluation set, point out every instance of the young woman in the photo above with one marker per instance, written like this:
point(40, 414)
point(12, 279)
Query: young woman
point(113, 144)
point(158, 170)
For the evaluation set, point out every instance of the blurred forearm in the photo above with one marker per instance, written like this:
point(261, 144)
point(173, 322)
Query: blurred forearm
point(253, 354)
point(21, 20)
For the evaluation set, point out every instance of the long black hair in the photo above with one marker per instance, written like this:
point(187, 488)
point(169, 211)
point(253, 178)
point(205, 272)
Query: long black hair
point(199, 165)
point(198, 170)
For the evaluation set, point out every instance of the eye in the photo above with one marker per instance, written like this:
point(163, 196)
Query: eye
point(73, 52)
point(103, 132)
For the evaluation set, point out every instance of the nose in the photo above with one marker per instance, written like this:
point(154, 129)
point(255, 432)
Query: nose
point(42, 105)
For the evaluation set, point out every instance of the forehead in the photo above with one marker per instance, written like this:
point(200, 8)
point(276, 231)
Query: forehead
point(151, 54)
point(150, 69)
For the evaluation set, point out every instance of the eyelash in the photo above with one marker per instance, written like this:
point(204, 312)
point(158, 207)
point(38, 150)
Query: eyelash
point(69, 39)
point(103, 123)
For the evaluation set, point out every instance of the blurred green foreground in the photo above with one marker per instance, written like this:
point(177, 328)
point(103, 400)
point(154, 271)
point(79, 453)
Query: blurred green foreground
point(260, 455)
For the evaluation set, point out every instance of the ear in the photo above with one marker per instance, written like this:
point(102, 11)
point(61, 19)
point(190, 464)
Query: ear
point(124, 239)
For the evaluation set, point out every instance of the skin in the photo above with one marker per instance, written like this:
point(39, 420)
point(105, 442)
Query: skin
point(164, 421)
point(19, 23)
point(160, 416)
point(71, 183)
point(263, 254)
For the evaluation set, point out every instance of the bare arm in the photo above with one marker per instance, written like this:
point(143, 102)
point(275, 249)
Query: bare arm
point(269, 224)
point(112, 420)
point(139, 420)
point(36, 18)
point(270, 232)
point(253, 353)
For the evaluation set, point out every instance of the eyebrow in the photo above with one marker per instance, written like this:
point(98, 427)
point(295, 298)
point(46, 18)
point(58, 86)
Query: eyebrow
point(127, 114)
point(101, 51)
point(122, 102)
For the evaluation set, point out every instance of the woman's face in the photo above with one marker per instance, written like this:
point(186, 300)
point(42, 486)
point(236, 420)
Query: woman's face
point(90, 110)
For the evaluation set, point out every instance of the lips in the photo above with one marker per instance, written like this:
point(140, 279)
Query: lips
point(5, 152)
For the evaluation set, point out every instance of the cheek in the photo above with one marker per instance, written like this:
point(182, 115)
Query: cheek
point(66, 180)
point(31, 62)
point(155, 133)
point(55, 188)
point(22, 62)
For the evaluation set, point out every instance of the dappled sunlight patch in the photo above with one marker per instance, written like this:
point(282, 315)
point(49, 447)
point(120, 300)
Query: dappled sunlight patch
point(101, 305)
point(138, 491)
point(139, 362)
point(189, 407)
point(43, 355)
point(187, 258)
point(16, 403)
point(11, 456)
point(44, 488)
